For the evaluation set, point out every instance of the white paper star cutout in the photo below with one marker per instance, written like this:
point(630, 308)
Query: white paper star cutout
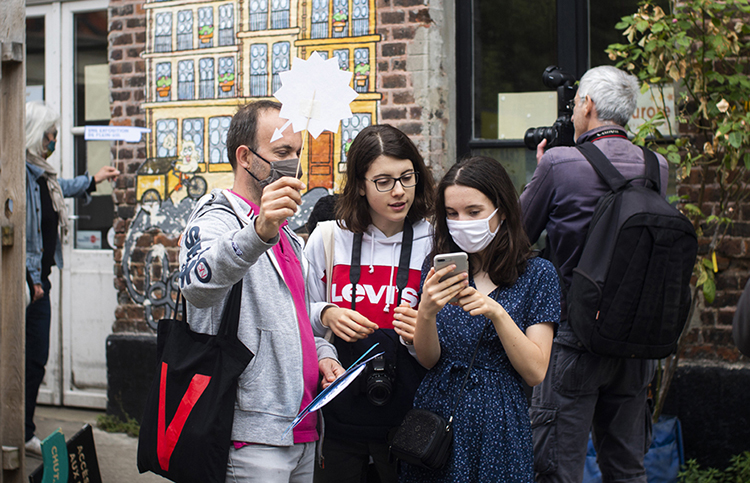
point(314, 95)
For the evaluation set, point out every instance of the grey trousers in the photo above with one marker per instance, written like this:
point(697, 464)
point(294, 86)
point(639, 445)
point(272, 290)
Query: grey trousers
point(584, 393)
point(271, 464)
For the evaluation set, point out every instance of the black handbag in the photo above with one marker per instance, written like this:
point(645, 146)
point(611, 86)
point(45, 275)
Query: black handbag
point(186, 428)
point(424, 438)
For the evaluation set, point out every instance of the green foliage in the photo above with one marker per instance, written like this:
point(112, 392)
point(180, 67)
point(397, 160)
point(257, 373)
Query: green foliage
point(164, 81)
point(206, 30)
point(701, 47)
point(698, 46)
point(362, 68)
point(339, 16)
point(229, 76)
point(113, 424)
point(738, 471)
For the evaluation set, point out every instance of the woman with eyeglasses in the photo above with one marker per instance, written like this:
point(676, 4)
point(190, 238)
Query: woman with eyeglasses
point(363, 282)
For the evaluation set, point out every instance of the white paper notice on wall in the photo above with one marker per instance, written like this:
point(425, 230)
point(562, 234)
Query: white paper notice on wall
point(129, 134)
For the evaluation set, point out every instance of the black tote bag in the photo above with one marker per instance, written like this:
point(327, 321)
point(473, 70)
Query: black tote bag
point(187, 424)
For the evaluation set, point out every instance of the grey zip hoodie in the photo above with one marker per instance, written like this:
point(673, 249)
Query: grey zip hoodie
point(214, 254)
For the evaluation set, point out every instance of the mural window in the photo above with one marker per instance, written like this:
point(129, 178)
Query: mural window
point(259, 70)
point(163, 32)
point(192, 140)
point(279, 14)
point(259, 15)
point(280, 64)
point(343, 57)
point(163, 81)
point(361, 69)
point(166, 138)
point(226, 24)
point(185, 30)
point(186, 79)
point(323, 54)
point(206, 86)
point(226, 77)
point(349, 130)
point(206, 27)
point(360, 17)
point(217, 139)
point(319, 19)
point(340, 18)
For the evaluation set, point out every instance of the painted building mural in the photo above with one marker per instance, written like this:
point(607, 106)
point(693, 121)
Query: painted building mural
point(203, 60)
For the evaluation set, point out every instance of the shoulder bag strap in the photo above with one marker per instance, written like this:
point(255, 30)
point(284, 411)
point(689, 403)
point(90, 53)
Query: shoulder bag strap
point(230, 316)
point(328, 228)
point(602, 166)
point(466, 377)
point(652, 169)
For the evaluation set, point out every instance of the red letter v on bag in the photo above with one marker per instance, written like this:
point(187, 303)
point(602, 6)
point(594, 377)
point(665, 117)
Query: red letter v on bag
point(166, 439)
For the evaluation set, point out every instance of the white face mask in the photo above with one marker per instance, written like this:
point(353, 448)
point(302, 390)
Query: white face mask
point(473, 236)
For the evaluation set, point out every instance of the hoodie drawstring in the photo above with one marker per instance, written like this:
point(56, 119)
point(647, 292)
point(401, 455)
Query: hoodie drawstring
point(387, 307)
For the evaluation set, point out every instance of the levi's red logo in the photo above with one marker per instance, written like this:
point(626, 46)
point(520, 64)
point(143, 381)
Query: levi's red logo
point(166, 438)
point(374, 292)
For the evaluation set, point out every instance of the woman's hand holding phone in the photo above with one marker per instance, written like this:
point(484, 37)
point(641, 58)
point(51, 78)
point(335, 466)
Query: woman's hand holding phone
point(438, 289)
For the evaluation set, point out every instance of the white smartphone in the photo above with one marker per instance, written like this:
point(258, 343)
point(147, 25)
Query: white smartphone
point(459, 259)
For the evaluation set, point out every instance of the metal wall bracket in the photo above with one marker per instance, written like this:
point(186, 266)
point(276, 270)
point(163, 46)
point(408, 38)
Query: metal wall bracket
point(11, 458)
point(11, 51)
point(7, 238)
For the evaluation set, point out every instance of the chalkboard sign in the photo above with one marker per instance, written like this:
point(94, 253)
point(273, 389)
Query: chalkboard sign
point(83, 466)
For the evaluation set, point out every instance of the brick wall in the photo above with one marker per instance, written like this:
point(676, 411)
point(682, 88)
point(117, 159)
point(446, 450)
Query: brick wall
point(710, 333)
point(412, 76)
point(127, 40)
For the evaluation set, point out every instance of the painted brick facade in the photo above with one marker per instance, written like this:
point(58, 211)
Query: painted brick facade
point(415, 76)
point(127, 40)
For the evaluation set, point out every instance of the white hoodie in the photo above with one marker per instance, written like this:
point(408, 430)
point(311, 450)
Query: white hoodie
point(377, 293)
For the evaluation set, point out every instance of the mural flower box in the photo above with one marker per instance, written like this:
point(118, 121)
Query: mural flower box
point(361, 72)
point(163, 85)
point(339, 21)
point(206, 33)
point(226, 81)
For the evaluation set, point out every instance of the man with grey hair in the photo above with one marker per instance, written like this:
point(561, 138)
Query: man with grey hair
point(584, 392)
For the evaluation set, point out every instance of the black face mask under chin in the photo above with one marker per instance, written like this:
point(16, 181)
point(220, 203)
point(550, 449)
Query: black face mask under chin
point(279, 169)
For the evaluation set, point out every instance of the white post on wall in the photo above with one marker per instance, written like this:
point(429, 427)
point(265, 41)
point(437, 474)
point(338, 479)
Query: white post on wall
point(13, 228)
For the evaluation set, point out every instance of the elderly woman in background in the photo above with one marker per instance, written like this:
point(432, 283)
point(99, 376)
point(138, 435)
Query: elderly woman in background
point(46, 222)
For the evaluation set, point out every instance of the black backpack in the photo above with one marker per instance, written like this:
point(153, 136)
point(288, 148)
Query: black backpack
point(630, 294)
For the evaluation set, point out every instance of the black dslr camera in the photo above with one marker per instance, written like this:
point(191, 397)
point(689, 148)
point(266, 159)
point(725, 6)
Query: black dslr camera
point(562, 132)
point(379, 382)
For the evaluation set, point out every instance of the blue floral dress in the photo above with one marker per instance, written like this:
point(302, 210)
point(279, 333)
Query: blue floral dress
point(491, 428)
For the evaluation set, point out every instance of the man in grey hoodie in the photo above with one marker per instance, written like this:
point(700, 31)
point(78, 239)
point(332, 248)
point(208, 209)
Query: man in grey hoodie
point(242, 233)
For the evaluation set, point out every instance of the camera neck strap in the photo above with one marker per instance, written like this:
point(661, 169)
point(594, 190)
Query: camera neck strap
point(466, 376)
point(402, 276)
point(608, 133)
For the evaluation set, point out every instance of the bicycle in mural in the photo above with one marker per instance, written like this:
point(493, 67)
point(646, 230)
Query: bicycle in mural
point(157, 175)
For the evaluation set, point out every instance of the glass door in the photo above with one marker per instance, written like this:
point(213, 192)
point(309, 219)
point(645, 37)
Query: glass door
point(67, 69)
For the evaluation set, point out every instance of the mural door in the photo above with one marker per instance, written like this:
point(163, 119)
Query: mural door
point(320, 169)
point(67, 69)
